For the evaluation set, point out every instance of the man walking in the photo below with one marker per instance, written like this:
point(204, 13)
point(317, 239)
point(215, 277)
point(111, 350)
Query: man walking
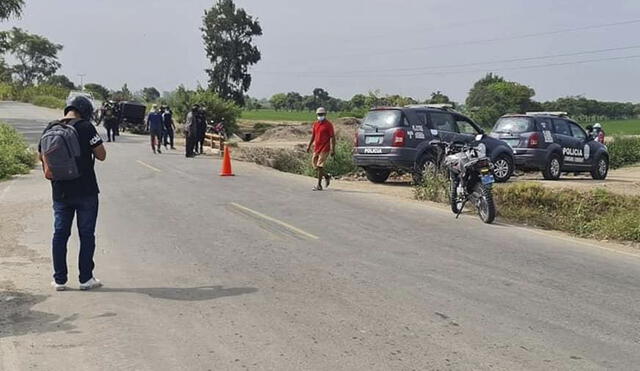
point(190, 130)
point(110, 121)
point(169, 127)
point(201, 130)
point(154, 126)
point(324, 143)
point(74, 187)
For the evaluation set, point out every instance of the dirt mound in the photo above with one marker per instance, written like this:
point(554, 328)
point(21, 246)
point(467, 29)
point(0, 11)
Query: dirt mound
point(344, 127)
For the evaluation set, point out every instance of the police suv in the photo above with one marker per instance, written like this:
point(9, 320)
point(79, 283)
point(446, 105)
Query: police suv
point(401, 138)
point(552, 143)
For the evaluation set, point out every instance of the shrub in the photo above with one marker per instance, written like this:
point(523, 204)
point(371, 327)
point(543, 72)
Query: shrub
point(7, 92)
point(340, 164)
point(48, 101)
point(624, 151)
point(28, 93)
point(15, 155)
point(434, 187)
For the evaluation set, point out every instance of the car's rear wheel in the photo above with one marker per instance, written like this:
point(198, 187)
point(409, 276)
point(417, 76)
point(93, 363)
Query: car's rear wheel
point(502, 168)
point(600, 168)
point(554, 168)
point(377, 175)
point(424, 166)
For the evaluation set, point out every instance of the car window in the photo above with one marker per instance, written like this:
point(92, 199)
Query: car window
point(383, 119)
point(577, 131)
point(465, 127)
point(422, 117)
point(514, 125)
point(562, 127)
point(443, 121)
point(545, 124)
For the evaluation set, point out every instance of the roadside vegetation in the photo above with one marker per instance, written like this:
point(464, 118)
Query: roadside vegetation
point(623, 151)
point(596, 213)
point(298, 161)
point(15, 155)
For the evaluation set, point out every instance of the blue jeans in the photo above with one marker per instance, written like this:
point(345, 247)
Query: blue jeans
point(86, 208)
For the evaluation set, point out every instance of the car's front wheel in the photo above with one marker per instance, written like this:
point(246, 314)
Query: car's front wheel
point(600, 168)
point(502, 168)
point(377, 175)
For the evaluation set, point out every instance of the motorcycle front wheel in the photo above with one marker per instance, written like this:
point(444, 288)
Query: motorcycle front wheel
point(485, 204)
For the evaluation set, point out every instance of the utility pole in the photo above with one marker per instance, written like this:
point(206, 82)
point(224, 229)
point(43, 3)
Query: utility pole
point(82, 75)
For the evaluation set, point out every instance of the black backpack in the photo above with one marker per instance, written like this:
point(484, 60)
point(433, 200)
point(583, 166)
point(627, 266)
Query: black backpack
point(60, 148)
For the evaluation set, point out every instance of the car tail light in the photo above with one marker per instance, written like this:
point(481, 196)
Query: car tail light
point(399, 137)
point(534, 140)
point(355, 139)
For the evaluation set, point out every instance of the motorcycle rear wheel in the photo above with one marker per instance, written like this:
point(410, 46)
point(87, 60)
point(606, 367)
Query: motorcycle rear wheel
point(485, 204)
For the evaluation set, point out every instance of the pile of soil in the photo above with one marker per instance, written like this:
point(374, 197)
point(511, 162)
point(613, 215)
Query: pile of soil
point(344, 127)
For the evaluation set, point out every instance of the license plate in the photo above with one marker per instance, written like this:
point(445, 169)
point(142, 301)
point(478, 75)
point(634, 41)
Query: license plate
point(373, 140)
point(488, 179)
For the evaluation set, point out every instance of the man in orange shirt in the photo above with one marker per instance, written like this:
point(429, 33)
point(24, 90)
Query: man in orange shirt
point(324, 143)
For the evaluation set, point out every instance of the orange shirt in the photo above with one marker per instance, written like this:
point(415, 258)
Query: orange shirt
point(322, 132)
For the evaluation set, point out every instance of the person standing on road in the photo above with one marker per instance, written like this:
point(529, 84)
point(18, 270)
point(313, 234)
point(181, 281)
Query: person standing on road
point(201, 130)
point(76, 195)
point(324, 141)
point(190, 130)
point(154, 126)
point(110, 122)
point(169, 127)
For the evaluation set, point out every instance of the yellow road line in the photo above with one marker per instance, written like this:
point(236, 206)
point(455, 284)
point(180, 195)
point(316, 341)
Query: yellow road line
point(274, 220)
point(149, 166)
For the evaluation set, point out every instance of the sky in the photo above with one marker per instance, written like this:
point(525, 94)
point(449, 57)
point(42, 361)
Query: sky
point(407, 47)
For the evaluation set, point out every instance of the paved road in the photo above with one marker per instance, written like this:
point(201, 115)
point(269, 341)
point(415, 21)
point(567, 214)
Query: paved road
point(258, 272)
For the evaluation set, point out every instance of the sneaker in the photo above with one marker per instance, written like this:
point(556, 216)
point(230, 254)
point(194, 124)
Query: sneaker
point(327, 181)
point(159, 151)
point(93, 283)
point(58, 287)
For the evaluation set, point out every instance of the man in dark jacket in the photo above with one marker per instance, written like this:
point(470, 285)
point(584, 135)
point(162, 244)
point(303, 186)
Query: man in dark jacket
point(169, 127)
point(190, 130)
point(201, 129)
point(77, 197)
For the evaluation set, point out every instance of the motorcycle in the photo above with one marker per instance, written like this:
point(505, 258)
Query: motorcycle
point(471, 175)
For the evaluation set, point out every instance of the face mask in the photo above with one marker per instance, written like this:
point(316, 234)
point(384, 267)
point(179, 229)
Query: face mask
point(321, 118)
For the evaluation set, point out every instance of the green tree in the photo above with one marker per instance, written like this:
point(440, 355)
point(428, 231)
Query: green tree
point(123, 94)
point(98, 91)
point(61, 81)
point(278, 101)
point(493, 96)
point(150, 94)
point(438, 97)
point(218, 109)
point(228, 35)
point(10, 8)
point(36, 56)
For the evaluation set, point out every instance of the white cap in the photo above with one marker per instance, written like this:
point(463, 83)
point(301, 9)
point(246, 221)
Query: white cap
point(597, 125)
point(321, 111)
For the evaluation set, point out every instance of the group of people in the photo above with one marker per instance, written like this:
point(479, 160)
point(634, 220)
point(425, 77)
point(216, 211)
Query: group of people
point(195, 130)
point(109, 115)
point(161, 128)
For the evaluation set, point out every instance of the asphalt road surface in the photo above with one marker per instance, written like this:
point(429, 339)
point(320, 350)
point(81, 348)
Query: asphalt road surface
point(257, 272)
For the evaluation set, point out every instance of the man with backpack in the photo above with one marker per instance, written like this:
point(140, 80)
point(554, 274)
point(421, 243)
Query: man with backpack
point(68, 149)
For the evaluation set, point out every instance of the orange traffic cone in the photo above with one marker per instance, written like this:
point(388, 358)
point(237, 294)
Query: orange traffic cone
point(226, 162)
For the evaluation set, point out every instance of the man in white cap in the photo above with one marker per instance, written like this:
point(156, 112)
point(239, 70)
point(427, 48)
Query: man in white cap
point(324, 143)
point(598, 133)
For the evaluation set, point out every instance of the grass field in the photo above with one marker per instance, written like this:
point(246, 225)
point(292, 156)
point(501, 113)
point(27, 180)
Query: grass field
point(623, 127)
point(272, 115)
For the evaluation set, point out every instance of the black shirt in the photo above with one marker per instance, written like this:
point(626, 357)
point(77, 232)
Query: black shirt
point(87, 184)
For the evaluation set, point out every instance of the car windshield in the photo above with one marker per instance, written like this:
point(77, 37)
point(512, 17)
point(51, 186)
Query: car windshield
point(513, 125)
point(383, 119)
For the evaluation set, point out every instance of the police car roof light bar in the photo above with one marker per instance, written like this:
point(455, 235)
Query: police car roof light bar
point(557, 113)
point(442, 106)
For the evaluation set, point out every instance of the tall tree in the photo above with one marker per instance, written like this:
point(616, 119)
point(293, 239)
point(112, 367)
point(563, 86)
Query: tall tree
point(150, 94)
point(10, 8)
point(37, 57)
point(438, 97)
point(493, 96)
point(123, 94)
point(228, 35)
point(60, 80)
point(98, 91)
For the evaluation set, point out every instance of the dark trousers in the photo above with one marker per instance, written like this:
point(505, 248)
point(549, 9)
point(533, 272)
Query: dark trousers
point(191, 142)
point(86, 209)
point(111, 134)
point(168, 138)
point(156, 139)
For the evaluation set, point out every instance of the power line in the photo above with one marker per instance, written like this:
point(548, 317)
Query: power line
point(511, 60)
point(444, 73)
point(491, 40)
